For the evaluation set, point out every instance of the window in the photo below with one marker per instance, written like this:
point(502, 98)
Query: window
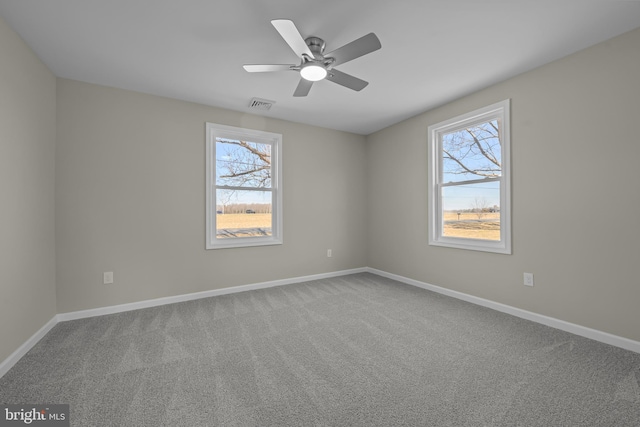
point(469, 191)
point(244, 194)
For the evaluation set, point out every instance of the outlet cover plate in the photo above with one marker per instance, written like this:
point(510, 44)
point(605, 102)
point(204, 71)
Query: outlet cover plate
point(528, 279)
point(107, 277)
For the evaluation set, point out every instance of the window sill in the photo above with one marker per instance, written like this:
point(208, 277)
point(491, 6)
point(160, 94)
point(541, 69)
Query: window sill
point(242, 243)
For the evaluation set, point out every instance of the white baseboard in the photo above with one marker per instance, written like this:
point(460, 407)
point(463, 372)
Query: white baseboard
point(594, 334)
point(583, 331)
point(13, 358)
point(197, 295)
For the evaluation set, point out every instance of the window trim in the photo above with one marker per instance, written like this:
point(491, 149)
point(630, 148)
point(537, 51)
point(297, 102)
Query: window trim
point(501, 111)
point(213, 131)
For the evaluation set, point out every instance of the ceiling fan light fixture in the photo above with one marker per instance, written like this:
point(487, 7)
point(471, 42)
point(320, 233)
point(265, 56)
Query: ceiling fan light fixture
point(314, 64)
point(313, 72)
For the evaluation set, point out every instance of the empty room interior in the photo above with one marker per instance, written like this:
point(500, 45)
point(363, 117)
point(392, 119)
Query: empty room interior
point(129, 293)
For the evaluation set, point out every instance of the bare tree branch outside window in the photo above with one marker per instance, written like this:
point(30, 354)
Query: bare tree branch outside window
point(472, 153)
point(243, 164)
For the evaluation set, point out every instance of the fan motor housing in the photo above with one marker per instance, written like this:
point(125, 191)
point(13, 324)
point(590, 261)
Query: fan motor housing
point(316, 45)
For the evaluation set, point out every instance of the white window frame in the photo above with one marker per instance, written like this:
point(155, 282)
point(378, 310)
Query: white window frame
point(500, 111)
point(214, 131)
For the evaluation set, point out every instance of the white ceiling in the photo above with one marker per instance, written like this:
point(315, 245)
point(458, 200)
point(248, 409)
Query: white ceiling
point(432, 51)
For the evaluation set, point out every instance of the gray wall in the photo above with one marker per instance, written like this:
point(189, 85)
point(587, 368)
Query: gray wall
point(27, 146)
point(130, 185)
point(575, 198)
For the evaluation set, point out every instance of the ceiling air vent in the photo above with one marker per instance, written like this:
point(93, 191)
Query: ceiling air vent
point(260, 104)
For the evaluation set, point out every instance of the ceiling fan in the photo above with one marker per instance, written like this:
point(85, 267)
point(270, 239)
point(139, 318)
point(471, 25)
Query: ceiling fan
point(316, 65)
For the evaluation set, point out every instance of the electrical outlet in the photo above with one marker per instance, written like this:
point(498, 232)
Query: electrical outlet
point(528, 279)
point(107, 277)
point(329, 253)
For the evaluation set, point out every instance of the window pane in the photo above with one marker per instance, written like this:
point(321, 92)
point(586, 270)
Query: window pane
point(472, 211)
point(472, 153)
point(242, 213)
point(243, 163)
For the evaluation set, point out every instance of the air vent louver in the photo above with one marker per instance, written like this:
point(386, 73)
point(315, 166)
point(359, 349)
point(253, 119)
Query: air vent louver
point(260, 104)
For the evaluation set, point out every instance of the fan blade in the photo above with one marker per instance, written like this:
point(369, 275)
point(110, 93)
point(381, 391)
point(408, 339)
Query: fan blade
point(263, 68)
point(303, 88)
point(346, 80)
point(291, 35)
point(355, 49)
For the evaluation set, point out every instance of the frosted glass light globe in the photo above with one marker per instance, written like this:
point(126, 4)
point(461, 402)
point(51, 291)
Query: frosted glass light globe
point(313, 73)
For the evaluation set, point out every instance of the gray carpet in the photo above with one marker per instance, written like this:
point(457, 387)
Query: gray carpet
point(358, 350)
